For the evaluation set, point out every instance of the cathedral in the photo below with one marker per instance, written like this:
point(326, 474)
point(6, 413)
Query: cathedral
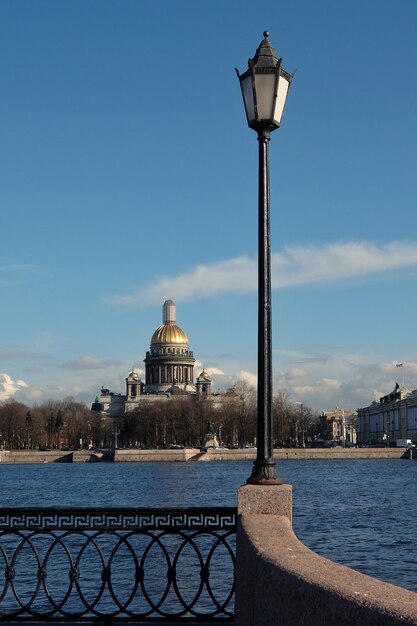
point(169, 370)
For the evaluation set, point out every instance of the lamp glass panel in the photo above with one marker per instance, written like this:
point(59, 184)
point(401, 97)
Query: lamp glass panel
point(265, 95)
point(247, 92)
point(283, 86)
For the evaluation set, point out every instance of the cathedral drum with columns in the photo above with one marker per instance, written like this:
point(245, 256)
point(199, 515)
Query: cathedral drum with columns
point(169, 369)
point(169, 361)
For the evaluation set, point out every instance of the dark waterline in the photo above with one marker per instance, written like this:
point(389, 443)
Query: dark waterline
point(359, 513)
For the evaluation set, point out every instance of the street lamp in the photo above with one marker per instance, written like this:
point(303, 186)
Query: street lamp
point(264, 87)
point(301, 412)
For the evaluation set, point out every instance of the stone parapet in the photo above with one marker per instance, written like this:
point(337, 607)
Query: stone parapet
point(184, 454)
point(265, 500)
point(35, 456)
point(281, 581)
point(337, 453)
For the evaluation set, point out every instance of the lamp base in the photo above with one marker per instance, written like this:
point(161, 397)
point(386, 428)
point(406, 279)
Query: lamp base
point(264, 474)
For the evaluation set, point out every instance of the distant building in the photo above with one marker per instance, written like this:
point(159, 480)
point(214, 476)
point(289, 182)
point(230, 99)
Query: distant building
point(338, 425)
point(169, 371)
point(393, 417)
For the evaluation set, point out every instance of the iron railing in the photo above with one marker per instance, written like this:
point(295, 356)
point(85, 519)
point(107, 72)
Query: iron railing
point(122, 564)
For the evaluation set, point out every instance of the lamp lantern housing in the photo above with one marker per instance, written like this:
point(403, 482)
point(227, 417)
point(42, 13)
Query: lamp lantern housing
point(264, 86)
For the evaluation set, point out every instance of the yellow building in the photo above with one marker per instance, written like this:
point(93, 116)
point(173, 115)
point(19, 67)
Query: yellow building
point(339, 425)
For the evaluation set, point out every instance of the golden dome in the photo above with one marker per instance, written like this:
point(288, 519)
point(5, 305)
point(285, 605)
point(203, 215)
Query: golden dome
point(134, 375)
point(169, 333)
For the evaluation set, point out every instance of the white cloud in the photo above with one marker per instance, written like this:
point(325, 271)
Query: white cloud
point(295, 266)
point(234, 275)
point(33, 395)
point(248, 377)
point(210, 370)
point(331, 383)
point(297, 356)
point(347, 380)
point(214, 371)
point(18, 274)
point(138, 370)
point(340, 261)
point(9, 387)
point(89, 362)
point(302, 390)
point(296, 373)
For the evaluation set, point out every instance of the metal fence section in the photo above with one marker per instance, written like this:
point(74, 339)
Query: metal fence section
point(123, 564)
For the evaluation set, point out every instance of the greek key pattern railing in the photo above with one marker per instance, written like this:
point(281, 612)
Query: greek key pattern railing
point(117, 564)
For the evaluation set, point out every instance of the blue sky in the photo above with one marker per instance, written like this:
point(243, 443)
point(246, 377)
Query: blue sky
point(128, 176)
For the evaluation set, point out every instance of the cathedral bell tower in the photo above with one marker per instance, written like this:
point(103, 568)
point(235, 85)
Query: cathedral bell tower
point(134, 389)
point(203, 386)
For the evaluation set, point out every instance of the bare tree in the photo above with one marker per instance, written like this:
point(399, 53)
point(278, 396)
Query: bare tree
point(247, 411)
point(282, 412)
point(13, 424)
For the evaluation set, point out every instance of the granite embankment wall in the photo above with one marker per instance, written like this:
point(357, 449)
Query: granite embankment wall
point(281, 581)
point(299, 454)
point(193, 454)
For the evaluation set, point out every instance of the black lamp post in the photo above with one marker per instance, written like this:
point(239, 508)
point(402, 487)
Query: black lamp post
point(264, 87)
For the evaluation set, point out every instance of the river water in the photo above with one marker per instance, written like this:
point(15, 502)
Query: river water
point(359, 513)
